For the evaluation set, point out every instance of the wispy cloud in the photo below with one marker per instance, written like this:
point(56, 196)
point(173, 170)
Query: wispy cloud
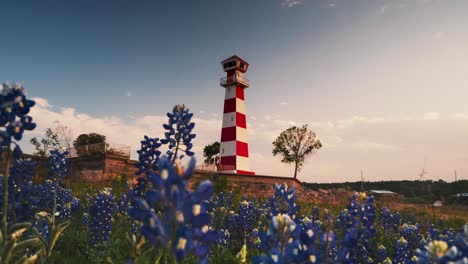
point(370, 145)
point(459, 116)
point(128, 93)
point(283, 103)
point(347, 143)
point(431, 116)
point(331, 4)
point(292, 3)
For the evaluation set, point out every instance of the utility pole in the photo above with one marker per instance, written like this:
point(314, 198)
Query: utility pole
point(456, 176)
point(362, 182)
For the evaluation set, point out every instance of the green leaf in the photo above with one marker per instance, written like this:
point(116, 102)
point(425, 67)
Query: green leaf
point(58, 231)
point(38, 235)
point(18, 226)
point(28, 243)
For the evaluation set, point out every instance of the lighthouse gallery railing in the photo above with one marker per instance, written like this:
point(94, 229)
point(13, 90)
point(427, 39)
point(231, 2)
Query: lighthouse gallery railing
point(234, 79)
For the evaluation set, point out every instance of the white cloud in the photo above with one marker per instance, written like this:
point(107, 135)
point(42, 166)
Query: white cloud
point(41, 102)
point(459, 116)
point(382, 9)
point(346, 143)
point(117, 131)
point(283, 103)
point(369, 145)
point(128, 93)
point(331, 4)
point(292, 3)
point(253, 117)
point(431, 116)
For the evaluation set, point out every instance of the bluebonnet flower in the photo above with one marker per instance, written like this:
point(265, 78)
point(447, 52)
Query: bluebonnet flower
point(355, 245)
point(42, 224)
point(439, 252)
point(179, 132)
point(402, 254)
point(381, 253)
point(284, 201)
point(58, 165)
point(183, 222)
point(14, 107)
point(148, 155)
point(101, 213)
point(411, 234)
point(280, 243)
point(240, 224)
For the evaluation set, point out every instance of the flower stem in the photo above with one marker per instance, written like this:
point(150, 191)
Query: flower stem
point(5, 196)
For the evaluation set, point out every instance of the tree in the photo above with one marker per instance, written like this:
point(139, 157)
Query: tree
point(211, 153)
point(50, 141)
point(295, 144)
point(65, 135)
point(89, 139)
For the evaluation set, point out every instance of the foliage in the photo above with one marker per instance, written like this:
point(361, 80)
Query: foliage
point(49, 141)
point(295, 144)
point(14, 120)
point(88, 139)
point(211, 153)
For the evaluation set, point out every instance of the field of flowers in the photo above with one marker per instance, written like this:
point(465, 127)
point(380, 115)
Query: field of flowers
point(159, 220)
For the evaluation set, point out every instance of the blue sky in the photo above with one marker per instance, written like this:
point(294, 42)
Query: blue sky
point(384, 83)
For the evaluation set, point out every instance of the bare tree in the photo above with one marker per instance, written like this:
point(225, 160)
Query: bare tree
point(65, 135)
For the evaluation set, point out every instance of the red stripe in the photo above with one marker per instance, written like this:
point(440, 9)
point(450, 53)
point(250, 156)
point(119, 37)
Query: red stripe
point(240, 120)
point(229, 105)
point(228, 160)
point(228, 134)
point(240, 92)
point(245, 172)
point(242, 149)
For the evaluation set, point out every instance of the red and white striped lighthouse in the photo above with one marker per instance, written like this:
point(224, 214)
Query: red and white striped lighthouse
point(234, 148)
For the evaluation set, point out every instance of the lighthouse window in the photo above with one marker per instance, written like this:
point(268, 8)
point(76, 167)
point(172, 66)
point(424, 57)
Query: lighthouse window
point(232, 118)
point(242, 65)
point(229, 64)
point(223, 150)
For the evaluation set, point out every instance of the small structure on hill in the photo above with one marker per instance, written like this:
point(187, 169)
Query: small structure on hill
point(385, 195)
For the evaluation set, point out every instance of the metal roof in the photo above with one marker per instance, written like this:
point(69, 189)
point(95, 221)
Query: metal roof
point(382, 192)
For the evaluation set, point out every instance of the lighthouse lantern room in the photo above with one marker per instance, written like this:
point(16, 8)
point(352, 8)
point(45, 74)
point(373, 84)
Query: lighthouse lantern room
point(234, 148)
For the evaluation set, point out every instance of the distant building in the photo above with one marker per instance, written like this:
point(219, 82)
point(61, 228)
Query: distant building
point(385, 195)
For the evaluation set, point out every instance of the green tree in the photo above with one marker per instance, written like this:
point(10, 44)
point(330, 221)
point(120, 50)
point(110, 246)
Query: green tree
point(87, 140)
point(295, 144)
point(211, 153)
point(50, 141)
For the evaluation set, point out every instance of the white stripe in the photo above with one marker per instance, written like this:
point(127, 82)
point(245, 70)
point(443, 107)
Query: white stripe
point(227, 148)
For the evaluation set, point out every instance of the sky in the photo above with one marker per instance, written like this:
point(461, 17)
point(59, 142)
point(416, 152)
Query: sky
point(383, 83)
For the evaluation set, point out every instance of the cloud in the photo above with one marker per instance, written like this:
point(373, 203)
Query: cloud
point(41, 102)
point(292, 3)
point(431, 116)
point(128, 93)
point(331, 4)
point(347, 143)
point(118, 131)
point(253, 118)
point(382, 9)
point(283, 103)
point(459, 116)
point(369, 145)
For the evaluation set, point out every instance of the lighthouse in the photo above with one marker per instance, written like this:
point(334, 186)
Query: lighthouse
point(234, 147)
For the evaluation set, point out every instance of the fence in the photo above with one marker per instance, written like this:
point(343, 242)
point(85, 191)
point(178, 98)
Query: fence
point(99, 148)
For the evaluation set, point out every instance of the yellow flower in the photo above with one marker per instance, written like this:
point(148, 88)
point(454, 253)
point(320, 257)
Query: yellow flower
point(437, 248)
